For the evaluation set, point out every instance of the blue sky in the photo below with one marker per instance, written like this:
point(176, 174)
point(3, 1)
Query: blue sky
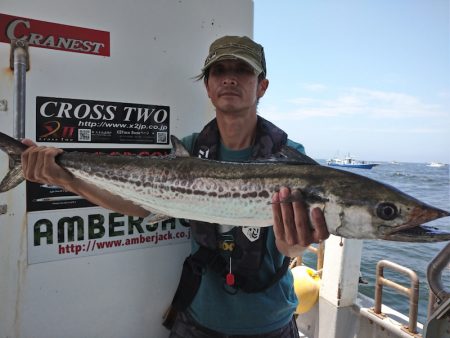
point(366, 77)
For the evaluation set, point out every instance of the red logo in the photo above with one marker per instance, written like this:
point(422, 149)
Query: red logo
point(54, 36)
point(54, 130)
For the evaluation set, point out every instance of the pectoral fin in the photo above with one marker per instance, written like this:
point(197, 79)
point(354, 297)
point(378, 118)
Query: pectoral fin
point(152, 218)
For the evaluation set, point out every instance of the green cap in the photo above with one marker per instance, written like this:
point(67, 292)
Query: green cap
point(236, 47)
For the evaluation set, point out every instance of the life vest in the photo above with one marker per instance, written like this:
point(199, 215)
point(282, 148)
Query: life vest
point(247, 255)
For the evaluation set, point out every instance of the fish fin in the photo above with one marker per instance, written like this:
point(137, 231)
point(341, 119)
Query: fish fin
point(178, 148)
point(314, 195)
point(14, 149)
point(153, 218)
point(308, 195)
point(288, 155)
point(12, 179)
point(294, 155)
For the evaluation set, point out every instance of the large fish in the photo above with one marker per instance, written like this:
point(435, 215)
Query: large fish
point(240, 194)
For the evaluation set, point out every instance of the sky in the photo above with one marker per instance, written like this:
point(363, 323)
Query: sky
point(365, 77)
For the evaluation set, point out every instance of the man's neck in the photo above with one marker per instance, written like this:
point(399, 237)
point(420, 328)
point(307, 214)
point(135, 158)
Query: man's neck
point(237, 132)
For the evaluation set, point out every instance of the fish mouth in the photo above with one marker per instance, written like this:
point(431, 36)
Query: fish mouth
point(414, 230)
point(419, 234)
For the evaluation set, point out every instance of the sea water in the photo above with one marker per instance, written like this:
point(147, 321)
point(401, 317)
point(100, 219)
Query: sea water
point(431, 185)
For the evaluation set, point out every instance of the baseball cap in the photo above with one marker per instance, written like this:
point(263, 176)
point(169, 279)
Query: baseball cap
point(233, 48)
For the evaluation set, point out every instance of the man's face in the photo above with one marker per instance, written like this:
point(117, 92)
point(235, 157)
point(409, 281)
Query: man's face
point(233, 87)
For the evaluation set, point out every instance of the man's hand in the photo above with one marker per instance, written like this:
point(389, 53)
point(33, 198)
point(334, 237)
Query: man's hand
point(294, 227)
point(38, 165)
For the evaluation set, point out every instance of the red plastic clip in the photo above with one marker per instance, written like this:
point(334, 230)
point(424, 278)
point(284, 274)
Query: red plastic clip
point(230, 279)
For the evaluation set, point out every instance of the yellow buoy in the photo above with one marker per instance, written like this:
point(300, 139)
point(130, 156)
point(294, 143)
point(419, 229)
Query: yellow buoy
point(306, 286)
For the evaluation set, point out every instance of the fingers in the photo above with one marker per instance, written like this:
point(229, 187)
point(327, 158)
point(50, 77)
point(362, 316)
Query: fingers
point(293, 223)
point(28, 142)
point(302, 230)
point(32, 163)
point(38, 164)
point(320, 226)
point(295, 218)
point(278, 226)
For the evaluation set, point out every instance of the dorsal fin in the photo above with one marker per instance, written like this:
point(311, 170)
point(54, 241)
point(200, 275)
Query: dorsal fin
point(288, 155)
point(292, 154)
point(178, 148)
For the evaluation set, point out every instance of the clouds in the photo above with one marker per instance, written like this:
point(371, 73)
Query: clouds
point(315, 87)
point(377, 124)
point(321, 101)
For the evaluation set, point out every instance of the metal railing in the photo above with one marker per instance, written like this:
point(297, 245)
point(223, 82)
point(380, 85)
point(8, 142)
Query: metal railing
point(439, 299)
point(319, 251)
point(412, 292)
point(434, 274)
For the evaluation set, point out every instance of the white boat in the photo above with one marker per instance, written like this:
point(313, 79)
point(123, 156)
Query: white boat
point(350, 162)
point(436, 164)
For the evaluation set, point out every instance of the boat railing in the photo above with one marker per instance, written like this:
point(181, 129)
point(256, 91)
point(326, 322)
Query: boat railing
point(319, 251)
point(390, 322)
point(412, 292)
point(439, 300)
point(434, 274)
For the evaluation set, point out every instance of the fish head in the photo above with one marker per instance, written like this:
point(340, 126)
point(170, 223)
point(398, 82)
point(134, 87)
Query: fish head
point(406, 221)
point(373, 210)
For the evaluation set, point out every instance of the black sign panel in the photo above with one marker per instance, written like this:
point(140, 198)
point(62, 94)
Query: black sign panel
point(88, 121)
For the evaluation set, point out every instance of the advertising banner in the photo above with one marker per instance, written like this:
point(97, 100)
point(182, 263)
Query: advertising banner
point(88, 121)
point(64, 234)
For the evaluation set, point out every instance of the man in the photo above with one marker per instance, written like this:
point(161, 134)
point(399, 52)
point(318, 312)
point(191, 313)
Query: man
point(235, 283)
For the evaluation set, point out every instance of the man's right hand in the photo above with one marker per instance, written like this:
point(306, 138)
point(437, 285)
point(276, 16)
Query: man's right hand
point(38, 165)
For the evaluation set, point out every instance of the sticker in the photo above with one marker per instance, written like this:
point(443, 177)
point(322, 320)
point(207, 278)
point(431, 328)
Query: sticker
point(51, 35)
point(88, 121)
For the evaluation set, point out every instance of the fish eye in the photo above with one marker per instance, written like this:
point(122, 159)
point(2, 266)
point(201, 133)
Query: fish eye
point(387, 211)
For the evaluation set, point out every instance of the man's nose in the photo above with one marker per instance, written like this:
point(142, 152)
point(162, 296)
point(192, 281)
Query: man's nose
point(229, 79)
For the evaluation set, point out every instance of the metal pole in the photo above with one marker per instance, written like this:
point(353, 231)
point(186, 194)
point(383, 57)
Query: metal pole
point(320, 256)
point(19, 62)
point(434, 273)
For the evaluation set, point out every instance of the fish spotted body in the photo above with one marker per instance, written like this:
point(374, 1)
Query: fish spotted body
point(239, 193)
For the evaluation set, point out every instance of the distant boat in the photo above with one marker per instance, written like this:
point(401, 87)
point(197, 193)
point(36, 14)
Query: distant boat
point(350, 162)
point(436, 164)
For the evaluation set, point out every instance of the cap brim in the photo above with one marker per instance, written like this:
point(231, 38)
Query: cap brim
point(255, 67)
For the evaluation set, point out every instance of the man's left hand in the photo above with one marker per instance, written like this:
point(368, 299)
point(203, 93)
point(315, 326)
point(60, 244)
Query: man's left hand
point(294, 226)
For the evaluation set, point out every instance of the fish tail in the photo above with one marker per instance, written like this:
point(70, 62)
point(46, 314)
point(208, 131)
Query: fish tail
point(14, 149)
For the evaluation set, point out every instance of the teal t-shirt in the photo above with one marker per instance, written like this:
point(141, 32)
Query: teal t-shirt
point(243, 313)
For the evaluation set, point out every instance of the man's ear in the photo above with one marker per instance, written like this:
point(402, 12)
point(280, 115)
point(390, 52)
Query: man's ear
point(205, 82)
point(262, 87)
